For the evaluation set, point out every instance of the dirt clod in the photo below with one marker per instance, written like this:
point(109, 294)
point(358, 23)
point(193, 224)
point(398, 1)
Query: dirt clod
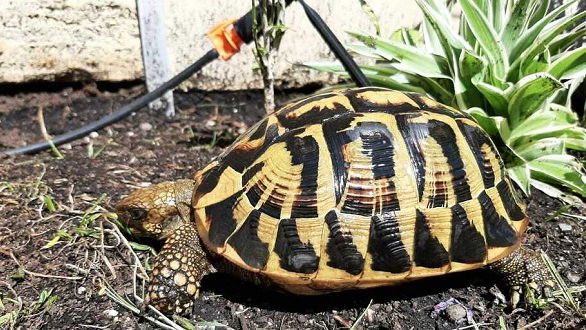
point(456, 312)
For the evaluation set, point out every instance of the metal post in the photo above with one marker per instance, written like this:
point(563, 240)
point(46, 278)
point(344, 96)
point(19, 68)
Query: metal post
point(153, 38)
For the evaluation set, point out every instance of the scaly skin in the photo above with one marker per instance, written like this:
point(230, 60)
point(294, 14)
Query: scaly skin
point(177, 272)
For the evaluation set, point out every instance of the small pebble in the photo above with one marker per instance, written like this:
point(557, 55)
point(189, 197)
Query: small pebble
point(66, 146)
point(111, 313)
point(81, 290)
point(145, 126)
point(130, 134)
point(565, 227)
point(573, 277)
point(369, 315)
point(456, 312)
point(94, 135)
point(302, 318)
point(480, 307)
point(211, 123)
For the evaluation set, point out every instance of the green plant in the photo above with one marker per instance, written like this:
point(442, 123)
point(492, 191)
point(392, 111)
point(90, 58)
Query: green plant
point(511, 66)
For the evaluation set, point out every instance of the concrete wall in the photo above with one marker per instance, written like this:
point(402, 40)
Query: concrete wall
point(71, 40)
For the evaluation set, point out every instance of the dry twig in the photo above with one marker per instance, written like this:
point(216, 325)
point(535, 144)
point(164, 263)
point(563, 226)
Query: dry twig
point(26, 271)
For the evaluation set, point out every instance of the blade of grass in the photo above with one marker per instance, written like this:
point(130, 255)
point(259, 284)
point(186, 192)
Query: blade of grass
point(566, 294)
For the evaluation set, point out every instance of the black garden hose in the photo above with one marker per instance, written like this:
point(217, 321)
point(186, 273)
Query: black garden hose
point(330, 38)
point(123, 112)
point(244, 29)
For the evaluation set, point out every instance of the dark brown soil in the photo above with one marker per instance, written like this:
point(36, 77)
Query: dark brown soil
point(147, 148)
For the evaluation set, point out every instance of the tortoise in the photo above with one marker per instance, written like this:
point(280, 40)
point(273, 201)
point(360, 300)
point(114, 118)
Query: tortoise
point(357, 188)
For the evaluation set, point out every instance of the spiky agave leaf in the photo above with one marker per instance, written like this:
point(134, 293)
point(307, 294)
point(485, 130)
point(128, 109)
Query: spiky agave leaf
point(509, 65)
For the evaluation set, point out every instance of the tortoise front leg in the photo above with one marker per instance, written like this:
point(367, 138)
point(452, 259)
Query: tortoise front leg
point(177, 272)
point(524, 267)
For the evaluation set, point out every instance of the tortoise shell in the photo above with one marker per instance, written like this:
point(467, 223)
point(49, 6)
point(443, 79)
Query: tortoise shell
point(359, 188)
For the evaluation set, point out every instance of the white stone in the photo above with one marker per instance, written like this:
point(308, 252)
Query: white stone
point(81, 39)
point(111, 313)
point(81, 290)
point(146, 126)
point(565, 227)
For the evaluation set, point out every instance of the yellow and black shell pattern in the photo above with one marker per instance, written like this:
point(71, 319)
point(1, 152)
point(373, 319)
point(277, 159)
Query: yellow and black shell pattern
point(359, 188)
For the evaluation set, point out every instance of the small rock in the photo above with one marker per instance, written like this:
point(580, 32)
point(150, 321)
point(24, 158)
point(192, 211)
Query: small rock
point(573, 277)
point(369, 315)
point(145, 126)
point(564, 227)
point(81, 290)
point(302, 318)
point(66, 146)
point(130, 134)
point(111, 313)
point(94, 135)
point(456, 312)
point(210, 123)
point(480, 307)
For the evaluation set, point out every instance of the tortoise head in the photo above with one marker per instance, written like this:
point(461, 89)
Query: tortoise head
point(157, 211)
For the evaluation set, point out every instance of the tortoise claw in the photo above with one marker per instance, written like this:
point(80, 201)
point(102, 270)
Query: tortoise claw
point(516, 292)
point(524, 270)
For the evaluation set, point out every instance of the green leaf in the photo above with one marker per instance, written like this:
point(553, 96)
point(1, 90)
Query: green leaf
point(431, 40)
point(495, 126)
point(529, 94)
point(9, 317)
point(363, 50)
point(384, 81)
point(470, 64)
point(541, 43)
point(541, 147)
point(574, 85)
point(495, 96)
point(49, 204)
point(334, 67)
point(555, 192)
point(516, 22)
point(540, 11)
point(498, 14)
point(521, 175)
point(141, 247)
point(411, 37)
point(563, 41)
point(440, 22)
point(540, 123)
point(412, 58)
point(486, 35)
point(560, 169)
point(526, 39)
